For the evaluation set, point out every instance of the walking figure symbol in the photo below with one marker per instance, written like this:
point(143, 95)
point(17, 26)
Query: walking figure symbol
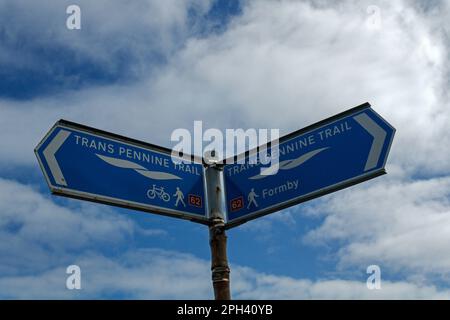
point(180, 196)
point(252, 198)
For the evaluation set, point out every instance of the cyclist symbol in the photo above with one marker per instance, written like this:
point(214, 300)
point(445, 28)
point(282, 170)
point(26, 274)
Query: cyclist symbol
point(158, 192)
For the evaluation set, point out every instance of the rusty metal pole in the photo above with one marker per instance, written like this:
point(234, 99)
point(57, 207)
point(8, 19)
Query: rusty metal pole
point(217, 236)
point(219, 262)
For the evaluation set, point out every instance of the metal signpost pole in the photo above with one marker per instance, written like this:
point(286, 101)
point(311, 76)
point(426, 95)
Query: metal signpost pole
point(217, 236)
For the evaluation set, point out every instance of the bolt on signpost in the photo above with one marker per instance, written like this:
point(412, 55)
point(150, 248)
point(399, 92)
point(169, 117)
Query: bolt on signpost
point(94, 165)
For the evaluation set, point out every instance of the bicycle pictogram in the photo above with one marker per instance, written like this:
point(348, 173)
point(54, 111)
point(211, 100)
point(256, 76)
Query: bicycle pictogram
point(158, 192)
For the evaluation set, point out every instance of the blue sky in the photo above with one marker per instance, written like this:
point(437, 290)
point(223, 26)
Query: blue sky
point(145, 68)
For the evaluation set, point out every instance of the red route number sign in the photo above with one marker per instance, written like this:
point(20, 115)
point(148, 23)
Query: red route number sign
point(195, 200)
point(237, 203)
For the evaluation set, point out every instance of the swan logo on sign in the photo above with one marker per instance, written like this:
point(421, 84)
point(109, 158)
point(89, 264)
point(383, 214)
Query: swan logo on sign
point(333, 154)
point(90, 164)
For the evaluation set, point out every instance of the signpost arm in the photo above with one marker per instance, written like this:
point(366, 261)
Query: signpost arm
point(217, 236)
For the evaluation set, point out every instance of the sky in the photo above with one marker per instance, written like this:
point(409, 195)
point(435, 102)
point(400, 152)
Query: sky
point(145, 68)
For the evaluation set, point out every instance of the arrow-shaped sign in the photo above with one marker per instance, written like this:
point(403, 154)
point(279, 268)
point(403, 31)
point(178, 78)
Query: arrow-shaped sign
point(335, 153)
point(95, 165)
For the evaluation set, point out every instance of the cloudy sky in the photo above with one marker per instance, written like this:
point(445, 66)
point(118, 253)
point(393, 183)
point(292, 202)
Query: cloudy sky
point(144, 68)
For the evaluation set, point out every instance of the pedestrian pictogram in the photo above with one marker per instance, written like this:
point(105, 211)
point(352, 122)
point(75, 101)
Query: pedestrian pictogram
point(180, 197)
point(252, 199)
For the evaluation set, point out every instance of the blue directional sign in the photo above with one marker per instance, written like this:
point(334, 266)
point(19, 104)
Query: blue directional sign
point(90, 164)
point(333, 154)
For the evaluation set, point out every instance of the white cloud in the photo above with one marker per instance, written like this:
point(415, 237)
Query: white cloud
point(36, 233)
point(401, 226)
point(280, 64)
point(286, 64)
point(38, 219)
point(40, 239)
point(135, 30)
point(159, 274)
point(254, 285)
